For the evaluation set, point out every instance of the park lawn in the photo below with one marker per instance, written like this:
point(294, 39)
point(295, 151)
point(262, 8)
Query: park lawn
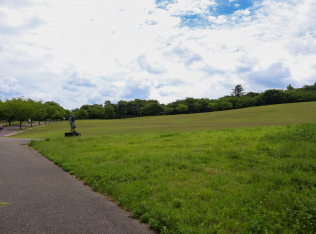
point(281, 114)
point(14, 123)
point(196, 179)
point(226, 181)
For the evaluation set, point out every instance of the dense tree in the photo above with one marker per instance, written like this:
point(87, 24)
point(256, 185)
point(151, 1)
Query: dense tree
point(168, 110)
point(232, 99)
point(205, 102)
point(252, 94)
point(75, 112)
point(189, 101)
point(33, 106)
point(197, 107)
point(55, 111)
point(121, 109)
point(212, 106)
point(273, 96)
point(96, 112)
point(20, 108)
point(225, 105)
point(5, 114)
point(109, 110)
point(51, 111)
point(182, 108)
point(245, 101)
point(238, 91)
point(152, 108)
point(83, 114)
point(309, 87)
point(67, 114)
point(40, 111)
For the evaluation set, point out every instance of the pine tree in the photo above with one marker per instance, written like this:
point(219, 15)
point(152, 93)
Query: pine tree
point(238, 91)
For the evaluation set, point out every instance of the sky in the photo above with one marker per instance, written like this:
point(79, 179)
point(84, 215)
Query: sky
point(77, 52)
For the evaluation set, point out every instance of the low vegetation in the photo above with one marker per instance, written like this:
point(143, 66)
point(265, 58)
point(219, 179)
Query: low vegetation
point(184, 174)
point(243, 180)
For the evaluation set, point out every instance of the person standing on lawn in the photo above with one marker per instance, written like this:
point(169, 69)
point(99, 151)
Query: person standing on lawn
point(1, 126)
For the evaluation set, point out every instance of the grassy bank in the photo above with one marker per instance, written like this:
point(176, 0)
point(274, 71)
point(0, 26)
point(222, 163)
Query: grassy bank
point(226, 181)
point(241, 118)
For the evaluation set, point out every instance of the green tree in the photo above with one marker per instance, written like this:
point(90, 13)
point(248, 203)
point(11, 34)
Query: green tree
point(97, 112)
point(197, 107)
point(289, 87)
point(109, 111)
point(189, 102)
point(33, 106)
point(121, 109)
point(212, 106)
point(205, 102)
point(75, 112)
point(83, 114)
point(4, 112)
point(245, 102)
point(252, 94)
point(51, 112)
point(225, 105)
point(67, 114)
point(167, 110)
point(40, 111)
point(20, 108)
point(238, 91)
point(273, 96)
point(152, 108)
point(182, 108)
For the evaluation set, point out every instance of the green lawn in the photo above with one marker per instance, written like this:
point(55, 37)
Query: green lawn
point(181, 175)
point(14, 123)
point(240, 118)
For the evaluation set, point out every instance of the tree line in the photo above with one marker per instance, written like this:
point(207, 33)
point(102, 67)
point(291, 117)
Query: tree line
point(237, 99)
point(20, 109)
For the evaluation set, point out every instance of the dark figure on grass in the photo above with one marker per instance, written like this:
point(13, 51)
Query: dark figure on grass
point(72, 124)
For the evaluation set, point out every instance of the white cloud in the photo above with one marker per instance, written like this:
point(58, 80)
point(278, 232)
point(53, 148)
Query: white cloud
point(76, 52)
point(182, 7)
point(9, 86)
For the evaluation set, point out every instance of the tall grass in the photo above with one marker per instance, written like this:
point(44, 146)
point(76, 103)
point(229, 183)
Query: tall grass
point(255, 180)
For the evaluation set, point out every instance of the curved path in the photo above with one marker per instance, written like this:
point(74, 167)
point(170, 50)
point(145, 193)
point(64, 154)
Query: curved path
point(11, 130)
point(42, 198)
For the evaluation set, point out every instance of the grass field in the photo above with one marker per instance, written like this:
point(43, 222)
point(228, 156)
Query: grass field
point(181, 174)
point(241, 118)
point(14, 123)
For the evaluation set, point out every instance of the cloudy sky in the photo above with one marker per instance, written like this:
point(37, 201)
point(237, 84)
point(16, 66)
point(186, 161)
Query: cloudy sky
point(76, 52)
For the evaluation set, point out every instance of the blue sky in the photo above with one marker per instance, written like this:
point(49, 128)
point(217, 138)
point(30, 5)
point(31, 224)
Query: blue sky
point(79, 52)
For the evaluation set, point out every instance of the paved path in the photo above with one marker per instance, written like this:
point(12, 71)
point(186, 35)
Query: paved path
point(44, 199)
point(11, 130)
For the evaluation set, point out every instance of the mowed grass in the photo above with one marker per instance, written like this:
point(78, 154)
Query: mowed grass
point(199, 180)
point(240, 118)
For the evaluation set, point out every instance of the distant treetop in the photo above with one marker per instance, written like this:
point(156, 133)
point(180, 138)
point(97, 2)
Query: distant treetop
point(238, 91)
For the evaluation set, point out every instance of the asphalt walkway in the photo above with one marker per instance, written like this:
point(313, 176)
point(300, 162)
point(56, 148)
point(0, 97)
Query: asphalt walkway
point(42, 198)
point(11, 130)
